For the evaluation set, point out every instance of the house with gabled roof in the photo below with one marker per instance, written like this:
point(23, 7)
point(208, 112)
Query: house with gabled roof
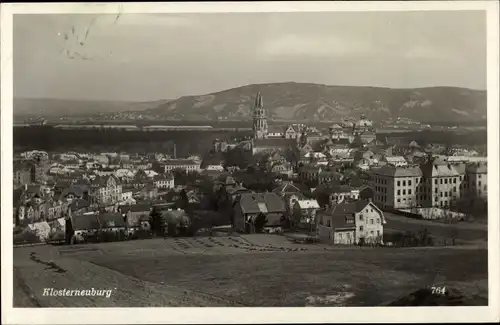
point(351, 223)
point(255, 211)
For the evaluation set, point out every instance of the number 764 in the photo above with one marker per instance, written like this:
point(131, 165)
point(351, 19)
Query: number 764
point(438, 290)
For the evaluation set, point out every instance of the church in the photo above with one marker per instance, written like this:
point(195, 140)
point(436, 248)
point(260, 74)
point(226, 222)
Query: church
point(262, 140)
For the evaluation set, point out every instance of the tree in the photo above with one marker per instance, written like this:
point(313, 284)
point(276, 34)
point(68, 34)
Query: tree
point(156, 222)
point(260, 222)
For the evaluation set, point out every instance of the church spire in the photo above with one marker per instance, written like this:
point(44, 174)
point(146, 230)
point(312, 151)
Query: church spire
point(259, 118)
point(259, 103)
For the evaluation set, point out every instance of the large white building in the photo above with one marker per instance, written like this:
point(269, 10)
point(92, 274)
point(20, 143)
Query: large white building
point(187, 165)
point(437, 183)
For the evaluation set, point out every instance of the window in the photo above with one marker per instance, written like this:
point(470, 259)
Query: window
point(409, 191)
point(399, 192)
point(371, 232)
point(340, 235)
point(399, 200)
point(371, 221)
point(446, 181)
point(446, 194)
point(404, 183)
point(479, 183)
point(454, 181)
point(328, 223)
point(441, 194)
point(455, 189)
point(435, 181)
point(404, 192)
point(435, 190)
point(441, 181)
point(378, 220)
point(399, 183)
point(409, 183)
point(360, 228)
point(361, 217)
point(378, 233)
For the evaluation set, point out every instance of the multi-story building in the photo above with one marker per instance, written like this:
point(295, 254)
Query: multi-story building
point(164, 181)
point(441, 184)
point(397, 187)
point(187, 165)
point(22, 174)
point(476, 179)
point(435, 183)
point(105, 190)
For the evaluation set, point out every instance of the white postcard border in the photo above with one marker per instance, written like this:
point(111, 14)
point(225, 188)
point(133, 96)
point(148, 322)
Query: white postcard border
point(12, 315)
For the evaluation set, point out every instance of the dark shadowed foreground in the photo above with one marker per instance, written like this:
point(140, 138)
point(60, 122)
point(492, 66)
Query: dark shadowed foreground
point(254, 270)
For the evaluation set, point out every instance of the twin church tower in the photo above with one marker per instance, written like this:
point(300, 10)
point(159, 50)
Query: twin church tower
point(260, 127)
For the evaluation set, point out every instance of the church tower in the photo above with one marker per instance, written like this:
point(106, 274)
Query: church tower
point(259, 119)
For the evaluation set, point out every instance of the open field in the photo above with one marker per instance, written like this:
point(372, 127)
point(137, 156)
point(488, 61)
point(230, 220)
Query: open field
point(249, 270)
point(466, 233)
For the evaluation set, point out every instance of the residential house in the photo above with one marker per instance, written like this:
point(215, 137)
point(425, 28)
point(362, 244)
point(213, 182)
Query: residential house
point(342, 193)
point(124, 174)
point(364, 159)
point(282, 168)
point(396, 161)
point(274, 131)
point(105, 171)
point(352, 223)
point(112, 223)
point(81, 227)
point(290, 194)
point(329, 175)
point(148, 192)
point(309, 172)
point(292, 132)
point(255, 211)
point(304, 213)
point(127, 197)
point(164, 181)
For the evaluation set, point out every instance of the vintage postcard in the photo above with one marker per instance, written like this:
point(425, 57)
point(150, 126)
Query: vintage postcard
point(263, 157)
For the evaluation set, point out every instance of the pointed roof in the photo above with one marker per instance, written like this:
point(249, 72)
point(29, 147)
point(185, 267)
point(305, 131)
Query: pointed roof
point(259, 101)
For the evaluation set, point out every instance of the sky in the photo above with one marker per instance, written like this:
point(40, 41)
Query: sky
point(143, 57)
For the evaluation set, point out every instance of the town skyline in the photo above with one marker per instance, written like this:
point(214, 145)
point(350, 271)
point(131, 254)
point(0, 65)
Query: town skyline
point(377, 49)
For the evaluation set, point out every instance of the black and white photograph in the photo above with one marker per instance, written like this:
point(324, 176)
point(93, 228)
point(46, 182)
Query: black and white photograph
point(250, 155)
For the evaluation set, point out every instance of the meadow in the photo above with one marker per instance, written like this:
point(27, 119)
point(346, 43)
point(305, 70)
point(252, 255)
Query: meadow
point(247, 270)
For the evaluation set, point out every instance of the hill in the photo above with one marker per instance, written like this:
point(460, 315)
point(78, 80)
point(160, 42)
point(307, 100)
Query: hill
point(285, 102)
point(314, 102)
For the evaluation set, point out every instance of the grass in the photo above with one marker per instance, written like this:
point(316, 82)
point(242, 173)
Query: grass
point(223, 274)
point(465, 232)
